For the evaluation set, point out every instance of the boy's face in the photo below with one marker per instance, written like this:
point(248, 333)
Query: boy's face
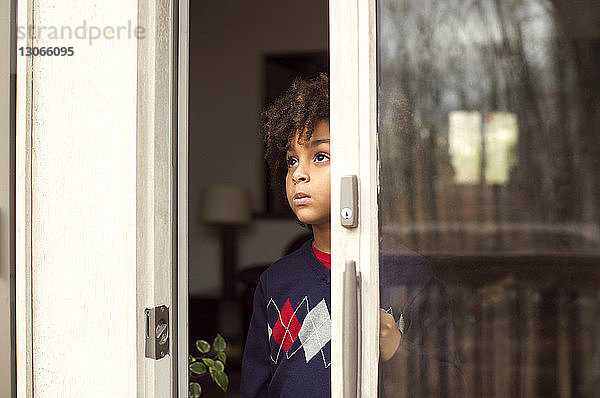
point(308, 180)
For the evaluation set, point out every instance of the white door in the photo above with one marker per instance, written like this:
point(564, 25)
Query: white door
point(353, 127)
point(472, 129)
point(101, 211)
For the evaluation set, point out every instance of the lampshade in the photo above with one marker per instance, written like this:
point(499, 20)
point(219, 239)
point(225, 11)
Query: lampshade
point(225, 204)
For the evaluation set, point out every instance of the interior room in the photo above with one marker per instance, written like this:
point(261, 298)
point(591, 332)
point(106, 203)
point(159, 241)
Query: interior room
point(242, 55)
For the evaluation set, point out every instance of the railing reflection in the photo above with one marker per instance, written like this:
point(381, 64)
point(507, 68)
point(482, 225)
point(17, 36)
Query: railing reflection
point(526, 326)
point(520, 325)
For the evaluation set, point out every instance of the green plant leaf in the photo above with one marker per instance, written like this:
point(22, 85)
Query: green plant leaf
point(220, 378)
point(219, 344)
point(195, 390)
point(198, 368)
point(221, 356)
point(219, 366)
point(209, 362)
point(203, 346)
point(192, 359)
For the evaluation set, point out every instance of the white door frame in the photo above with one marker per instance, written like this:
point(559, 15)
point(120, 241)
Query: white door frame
point(159, 249)
point(354, 152)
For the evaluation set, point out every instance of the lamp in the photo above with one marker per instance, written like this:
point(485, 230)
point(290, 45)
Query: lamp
point(228, 207)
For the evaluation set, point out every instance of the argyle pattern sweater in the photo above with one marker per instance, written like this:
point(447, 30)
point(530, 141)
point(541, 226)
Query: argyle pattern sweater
point(288, 349)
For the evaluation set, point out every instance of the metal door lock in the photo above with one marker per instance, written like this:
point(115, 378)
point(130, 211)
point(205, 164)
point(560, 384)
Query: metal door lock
point(349, 201)
point(157, 332)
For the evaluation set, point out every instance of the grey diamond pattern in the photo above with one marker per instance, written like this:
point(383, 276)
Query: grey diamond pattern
point(315, 332)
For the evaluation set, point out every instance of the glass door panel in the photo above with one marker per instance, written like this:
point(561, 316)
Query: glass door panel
point(489, 199)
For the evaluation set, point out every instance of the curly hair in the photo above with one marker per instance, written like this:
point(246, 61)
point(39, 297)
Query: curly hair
point(305, 104)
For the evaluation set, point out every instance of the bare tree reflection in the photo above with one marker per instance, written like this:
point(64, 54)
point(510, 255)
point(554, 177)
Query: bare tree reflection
point(513, 56)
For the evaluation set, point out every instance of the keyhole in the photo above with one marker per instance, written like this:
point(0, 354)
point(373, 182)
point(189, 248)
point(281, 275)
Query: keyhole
point(346, 213)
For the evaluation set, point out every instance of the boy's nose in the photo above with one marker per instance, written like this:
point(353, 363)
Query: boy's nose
point(297, 178)
point(299, 175)
point(301, 172)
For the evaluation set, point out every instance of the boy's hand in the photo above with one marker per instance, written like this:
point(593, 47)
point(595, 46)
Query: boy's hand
point(389, 335)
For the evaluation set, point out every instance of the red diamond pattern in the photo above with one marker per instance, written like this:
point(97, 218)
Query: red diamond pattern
point(287, 327)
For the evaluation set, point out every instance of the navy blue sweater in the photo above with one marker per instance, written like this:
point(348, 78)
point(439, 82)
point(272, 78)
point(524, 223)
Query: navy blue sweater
point(288, 349)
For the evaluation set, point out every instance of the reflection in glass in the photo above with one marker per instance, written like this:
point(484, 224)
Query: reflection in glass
point(489, 159)
point(466, 139)
point(464, 146)
point(501, 138)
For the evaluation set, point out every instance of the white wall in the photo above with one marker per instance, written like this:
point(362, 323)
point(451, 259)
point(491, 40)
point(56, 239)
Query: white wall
point(84, 251)
point(227, 41)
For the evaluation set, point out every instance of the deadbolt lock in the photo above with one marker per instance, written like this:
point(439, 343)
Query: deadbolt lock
point(157, 331)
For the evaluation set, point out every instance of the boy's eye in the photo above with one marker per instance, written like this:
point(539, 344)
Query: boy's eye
point(290, 161)
point(322, 157)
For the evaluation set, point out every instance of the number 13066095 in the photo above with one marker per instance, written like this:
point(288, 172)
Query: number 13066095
point(46, 51)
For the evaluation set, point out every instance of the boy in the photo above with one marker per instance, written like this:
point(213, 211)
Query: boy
point(288, 349)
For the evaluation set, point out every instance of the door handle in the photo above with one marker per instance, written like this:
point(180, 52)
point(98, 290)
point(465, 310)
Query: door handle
point(350, 331)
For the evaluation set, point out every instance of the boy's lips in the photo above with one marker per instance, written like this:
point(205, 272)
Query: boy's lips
point(302, 201)
point(299, 195)
point(301, 198)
